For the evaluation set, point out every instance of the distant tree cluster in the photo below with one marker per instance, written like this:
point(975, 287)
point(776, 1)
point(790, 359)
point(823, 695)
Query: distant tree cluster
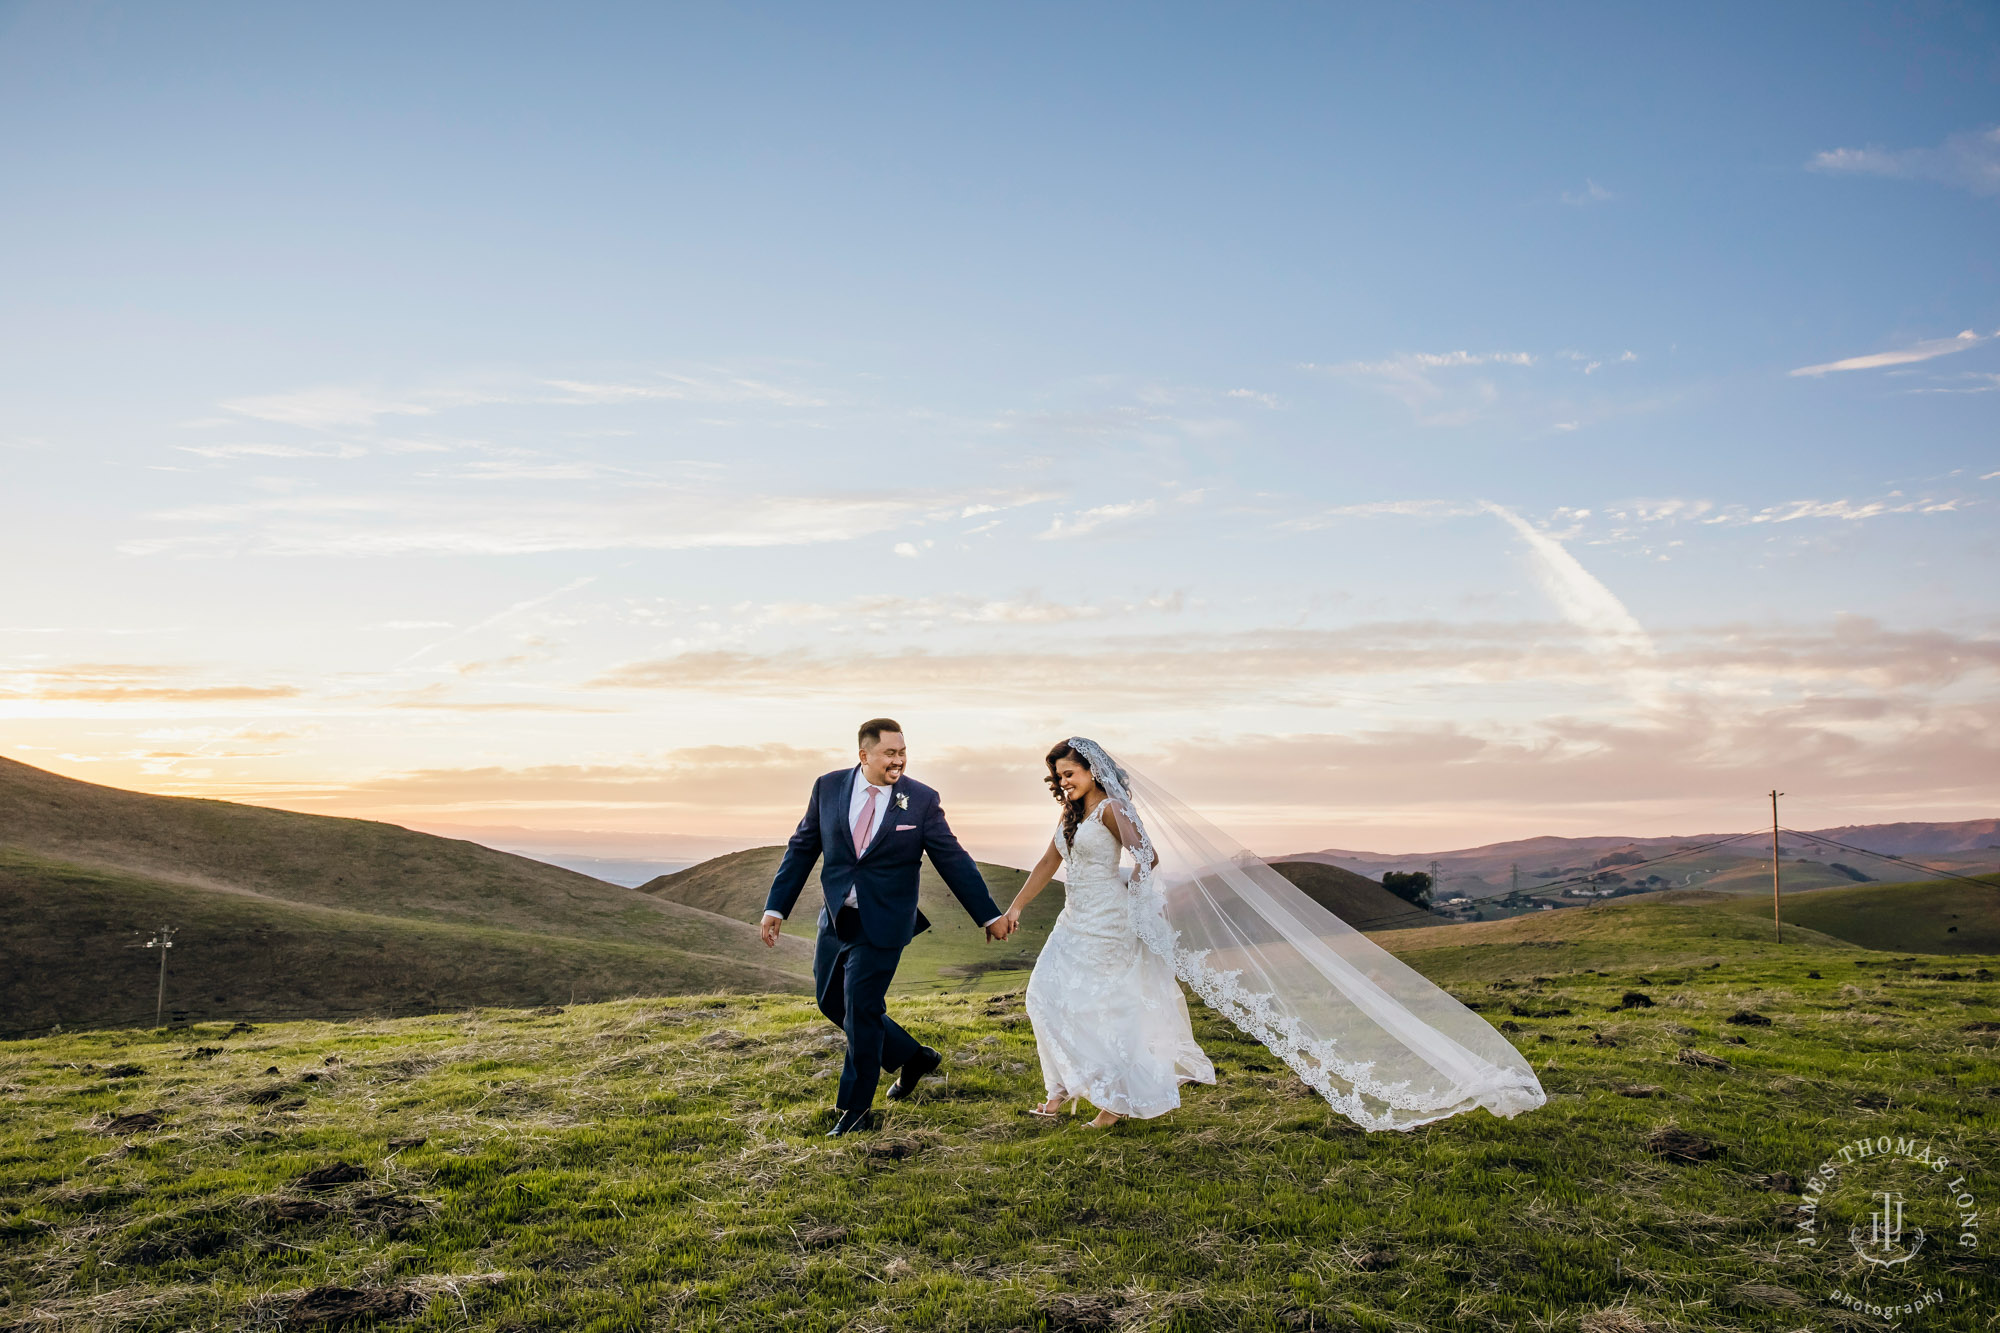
point(1412, 886)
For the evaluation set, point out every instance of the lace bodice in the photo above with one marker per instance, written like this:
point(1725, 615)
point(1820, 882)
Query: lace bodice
point(1095, 899)
point(1096, 849)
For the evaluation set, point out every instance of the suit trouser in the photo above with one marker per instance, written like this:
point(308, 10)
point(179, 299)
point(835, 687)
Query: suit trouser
point(851, 979)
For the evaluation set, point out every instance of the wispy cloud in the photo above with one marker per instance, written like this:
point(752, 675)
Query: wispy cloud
point(1592, 364)
point(1967, 160)
point(1966, 382)
point(440, 698)
point(1317, 668)
point(344, 450)
point(343, 407)
point(127, 682)
point(1090, 520)
point(498, 617)
point(1842, 509)
point(1581, 597)
point(715, 388)
point(1901, 356)
point(157, 694)
point(652, 516)
point(1591, 193)
point(329, 407)
point(1381, 509)
point(1413, 378)
point(953, 609)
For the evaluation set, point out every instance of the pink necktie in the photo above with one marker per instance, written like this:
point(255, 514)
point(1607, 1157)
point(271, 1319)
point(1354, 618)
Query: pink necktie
point(864, 822)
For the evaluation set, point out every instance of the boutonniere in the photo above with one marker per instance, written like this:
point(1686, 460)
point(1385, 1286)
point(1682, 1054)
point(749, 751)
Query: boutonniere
point(902, 801)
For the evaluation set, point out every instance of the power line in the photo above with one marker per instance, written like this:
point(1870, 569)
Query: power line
point(1899, 860)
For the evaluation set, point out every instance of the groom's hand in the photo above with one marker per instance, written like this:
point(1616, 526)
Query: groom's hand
point(999, 929)
point(769, 930)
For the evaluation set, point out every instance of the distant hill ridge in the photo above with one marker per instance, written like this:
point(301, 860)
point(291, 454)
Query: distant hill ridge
point(1901, 839)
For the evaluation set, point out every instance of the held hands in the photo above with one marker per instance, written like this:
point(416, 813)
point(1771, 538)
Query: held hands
point(1009, 922)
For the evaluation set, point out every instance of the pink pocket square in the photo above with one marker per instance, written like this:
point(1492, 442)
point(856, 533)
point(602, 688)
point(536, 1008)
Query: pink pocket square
point(904, 828)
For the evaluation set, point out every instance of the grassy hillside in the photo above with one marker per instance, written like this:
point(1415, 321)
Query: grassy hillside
point(72, 957)
point(285, 913)
point(953, 953)
point(1934, 916)
point(350, 864)
point(1636, 933)
point(1355, 899)
point(649, 1165)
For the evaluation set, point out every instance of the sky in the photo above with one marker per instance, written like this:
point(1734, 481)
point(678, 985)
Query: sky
point(1389, 427)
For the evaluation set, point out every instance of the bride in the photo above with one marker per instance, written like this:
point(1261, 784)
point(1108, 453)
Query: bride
point(1109, 1019)
point(1382, 1044)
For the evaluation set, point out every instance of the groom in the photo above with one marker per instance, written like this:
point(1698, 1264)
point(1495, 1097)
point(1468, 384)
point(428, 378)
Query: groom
point(873, 825)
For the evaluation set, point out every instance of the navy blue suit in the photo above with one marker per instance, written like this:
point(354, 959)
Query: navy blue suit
point(858, 948)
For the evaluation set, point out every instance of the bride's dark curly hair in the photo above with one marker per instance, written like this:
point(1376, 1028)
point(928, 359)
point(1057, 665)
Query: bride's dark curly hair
point(1072, 810)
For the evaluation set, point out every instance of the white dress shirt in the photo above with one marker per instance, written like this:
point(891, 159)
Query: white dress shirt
point(859, 798)
point(856, 799)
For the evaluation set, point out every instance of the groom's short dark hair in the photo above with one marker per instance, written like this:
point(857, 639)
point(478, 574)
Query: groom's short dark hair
point(872, 729)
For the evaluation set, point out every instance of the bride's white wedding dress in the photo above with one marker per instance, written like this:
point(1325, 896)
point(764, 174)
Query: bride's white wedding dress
point(1109, 1019)
point(1383, 1044)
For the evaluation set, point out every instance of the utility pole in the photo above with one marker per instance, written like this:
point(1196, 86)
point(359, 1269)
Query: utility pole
point(1777, 926)
point(162, 941)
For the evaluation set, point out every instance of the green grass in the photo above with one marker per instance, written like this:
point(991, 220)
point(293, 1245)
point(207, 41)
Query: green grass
point(1931, 916)
point(71, 957)
point(657, 1164)
point(291, 914)
point(352, 865)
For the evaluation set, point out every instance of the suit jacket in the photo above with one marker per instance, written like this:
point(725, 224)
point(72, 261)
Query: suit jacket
point(883, 874)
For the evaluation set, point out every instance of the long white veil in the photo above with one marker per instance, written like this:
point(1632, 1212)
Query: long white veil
point(1382, 1043)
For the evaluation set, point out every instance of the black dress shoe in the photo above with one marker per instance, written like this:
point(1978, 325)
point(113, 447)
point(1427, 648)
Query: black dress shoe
point(848, 1123)
point(923, 1062)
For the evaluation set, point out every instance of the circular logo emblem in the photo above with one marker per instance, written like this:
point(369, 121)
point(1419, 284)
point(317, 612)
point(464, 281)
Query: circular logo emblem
point(1882, 1217)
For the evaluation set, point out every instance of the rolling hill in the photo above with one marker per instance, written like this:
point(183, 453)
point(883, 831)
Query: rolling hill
point(1644, 933)
point(1355, 899)
point(294, 914)
point(1940, 916)
point(951, 953)
point(1967, 846)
